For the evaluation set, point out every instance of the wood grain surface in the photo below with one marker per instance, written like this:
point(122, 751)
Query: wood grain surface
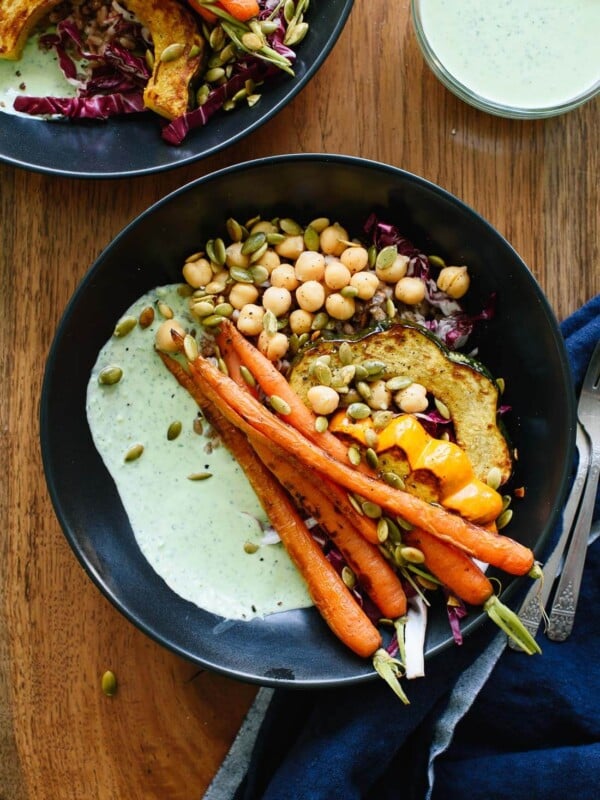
point(166, 731)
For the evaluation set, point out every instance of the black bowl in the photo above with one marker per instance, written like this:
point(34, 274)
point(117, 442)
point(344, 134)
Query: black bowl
point(132, 145)
point(522, 343)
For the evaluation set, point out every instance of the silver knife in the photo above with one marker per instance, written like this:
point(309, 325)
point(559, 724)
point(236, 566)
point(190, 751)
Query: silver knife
point(562, 614)
point(536, 598)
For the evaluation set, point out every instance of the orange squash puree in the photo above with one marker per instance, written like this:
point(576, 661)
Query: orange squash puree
point(460, 490)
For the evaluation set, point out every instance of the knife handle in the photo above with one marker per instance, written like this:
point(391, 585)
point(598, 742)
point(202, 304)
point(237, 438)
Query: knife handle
point(562, 615)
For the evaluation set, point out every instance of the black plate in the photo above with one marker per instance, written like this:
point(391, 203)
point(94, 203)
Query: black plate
point(132, 145)
point(522, 343)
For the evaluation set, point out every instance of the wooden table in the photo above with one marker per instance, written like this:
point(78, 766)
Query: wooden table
point(166, 731)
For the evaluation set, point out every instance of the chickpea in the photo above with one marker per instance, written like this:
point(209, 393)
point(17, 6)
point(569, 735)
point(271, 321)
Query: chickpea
point(242, 294)
point(218, 283)
point(277, 299)
point(412, 399)
point(340, 307)
point(250, 320)
point(410, 291)
point(164, 340)
point(355, 258)
point(301, 321)
point(291, 247)
point(395, 272)
point(285, 276)
point(197, 273)
point(381, 397)
point(263, 226)
point(332, 239)
point(273, 346)
point(310, 295)
point(454, 281)
point(234, 256)
point(323, 399)
point(310, 266)
point(337, 275)
point(269, 260)
point(365, 283)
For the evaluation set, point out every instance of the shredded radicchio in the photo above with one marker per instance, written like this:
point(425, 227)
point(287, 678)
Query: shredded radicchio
point(110, 81)
point(456, 612)
point(451, 324)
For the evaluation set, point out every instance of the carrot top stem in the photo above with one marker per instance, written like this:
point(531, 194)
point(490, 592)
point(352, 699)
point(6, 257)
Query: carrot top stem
point(509, 622)
point(390, 669)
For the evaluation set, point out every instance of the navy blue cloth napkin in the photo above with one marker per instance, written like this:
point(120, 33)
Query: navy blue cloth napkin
point(532, 731)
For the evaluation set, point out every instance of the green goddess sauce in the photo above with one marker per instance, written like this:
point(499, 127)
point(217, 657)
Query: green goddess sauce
point(192, 532)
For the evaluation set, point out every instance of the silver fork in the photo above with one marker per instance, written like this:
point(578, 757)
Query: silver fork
point(562, 614)
point(538, 595)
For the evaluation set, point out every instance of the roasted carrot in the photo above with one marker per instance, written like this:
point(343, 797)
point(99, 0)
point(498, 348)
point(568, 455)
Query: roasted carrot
point(330, 595)
point(373, 572)
point(458, 572)
point(450, 565)
point(242, 10)
point(250, 415)
point(273, 383)
point(204, 12)
point(233, 362)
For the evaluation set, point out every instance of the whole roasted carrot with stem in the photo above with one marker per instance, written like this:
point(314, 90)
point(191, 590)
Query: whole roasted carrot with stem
point(459, 573)
point(250, 415)
point(330, 595)
point(374, 573)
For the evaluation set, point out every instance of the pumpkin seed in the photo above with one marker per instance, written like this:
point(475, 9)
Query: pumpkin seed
point(275, 238)
point(386, 257)
point(190, 347)
point(394, 531)
point(108, 376)
point(224, 309)
point(321, 424)
point(398, 382)
point(279, 405)
point(290, 226)
point(174, 430)
point(259, 274)
point(354, 456)
point(360, 373)
point(345, 354)
point(252, 41)
point(349, 291)
point(194, 51)
point(383, 530)
point(124, 326)
point(241, 275)
point(219, 251)
point(213, 320)
point(234, 229)
point(269, 322)
point(494, 477)
point(311, 239)
point(355, 504)
point(348, 577)
point(364, 390)
point(501, 385)
point(146, 317)
point(404, 524)
point(250, 547)
point(215, 74)
point(381, 419)
point(303, 339)
point(247, 376)
point(358, 411)
point(289, 9)
point(436, 261)
point(134, 452)
point(442, 408)
point(506, 501)
point(323, 374)
point(372, 255)
point(253, 242)
point(373, 366)
point(393, 479)
point(319, 321)
point(371, 438)
point(258, 254)
point(164, 310)
point(222, 366)
point(203, 308)
point(371, 458)
point(172, 51)
point(149, 58)
point(390, 308)
point(199, 476)
point(217, 38)
point(344, 375)
point(504, 518)
point(109, 683)
point(413, 555)
point(319, 224)
point(294, 35)
point(371, 510)
point(268, 26)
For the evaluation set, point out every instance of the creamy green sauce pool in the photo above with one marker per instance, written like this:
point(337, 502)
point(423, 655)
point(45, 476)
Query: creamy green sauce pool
point(192, 532)
point(36, 73)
